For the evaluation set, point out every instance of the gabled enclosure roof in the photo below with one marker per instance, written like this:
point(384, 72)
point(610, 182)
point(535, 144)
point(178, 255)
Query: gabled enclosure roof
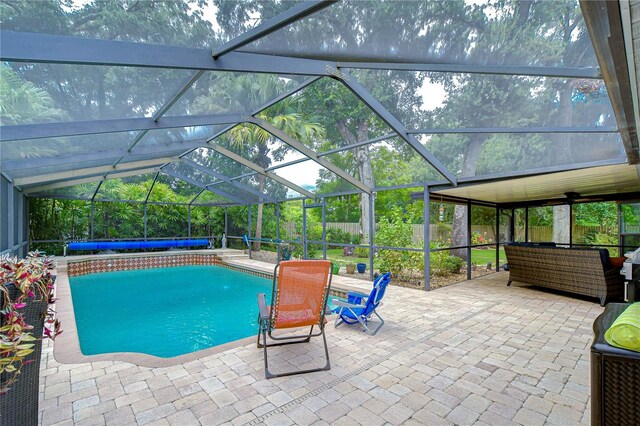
point(244, 103)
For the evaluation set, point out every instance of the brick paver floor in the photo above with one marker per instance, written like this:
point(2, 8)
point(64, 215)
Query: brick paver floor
point(478, 352)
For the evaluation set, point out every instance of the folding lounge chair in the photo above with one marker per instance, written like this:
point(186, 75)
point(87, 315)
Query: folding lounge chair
point(358, 308)
point(299, 299)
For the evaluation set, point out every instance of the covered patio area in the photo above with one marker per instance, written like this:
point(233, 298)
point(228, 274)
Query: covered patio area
point(477, 352)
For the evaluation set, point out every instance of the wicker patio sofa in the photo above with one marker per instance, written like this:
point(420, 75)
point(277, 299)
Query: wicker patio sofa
point(587, 272)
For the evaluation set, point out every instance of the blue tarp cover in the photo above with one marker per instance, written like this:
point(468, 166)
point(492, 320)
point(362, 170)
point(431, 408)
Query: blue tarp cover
point(124, 245)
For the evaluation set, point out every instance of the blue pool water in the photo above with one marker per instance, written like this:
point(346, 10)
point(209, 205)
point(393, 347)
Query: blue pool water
point(165, 312)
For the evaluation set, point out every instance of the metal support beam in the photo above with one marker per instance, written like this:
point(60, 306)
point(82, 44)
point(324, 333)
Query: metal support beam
point(232, 155)
point(515, 130)
point(55, 49)
point(357, 144)
point(95, 193)
point(620, 236)
point(177, 94)
point(283, 19)
point(202, 186)
point(20, 220)
point(512, 226)
point(469, 240)
point(98, 178)
point(95, 127)
point(309, 153)
point(153, 183)
point(426, 215)
point(79, 173)
point(11, 217)
point(352, 84)
point(604, 23)
point(72, 160)
point(226, 218)
point(193, 200)
point(526, 224)
point(278, 251)
point(570, 224)
point(497, 239)
point(249, 229)
point(144, 209)
point(324, 229)
point(46, 48)
point(591, 73)
point(92, 224)
point(372, 230)
point(224, 178)
point(304, 231)
point(27, 214)
point(189, 221)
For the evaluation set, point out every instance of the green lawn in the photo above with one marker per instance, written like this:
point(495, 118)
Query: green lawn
point(482, 257)
point(335, 255)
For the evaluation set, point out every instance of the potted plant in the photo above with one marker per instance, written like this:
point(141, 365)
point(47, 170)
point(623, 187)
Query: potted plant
point(26, 288)
point(336, 268)
point(351, 268)
point(361, 267)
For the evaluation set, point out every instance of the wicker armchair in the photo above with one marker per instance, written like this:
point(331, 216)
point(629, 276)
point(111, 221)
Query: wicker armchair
point(615, 376)
point(580, 271)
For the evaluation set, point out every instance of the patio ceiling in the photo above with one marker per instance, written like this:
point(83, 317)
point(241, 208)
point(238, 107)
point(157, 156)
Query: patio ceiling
point(603, 180)
point(181, 128)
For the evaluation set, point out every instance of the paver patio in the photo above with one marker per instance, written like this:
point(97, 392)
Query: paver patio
point(477, 352)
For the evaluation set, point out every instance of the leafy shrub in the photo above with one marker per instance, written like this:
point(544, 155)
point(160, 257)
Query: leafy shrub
point(599, 238)
point(297, 251)
point(443, 264)
point(395, 232)
point(337, 235)
point(361, 252)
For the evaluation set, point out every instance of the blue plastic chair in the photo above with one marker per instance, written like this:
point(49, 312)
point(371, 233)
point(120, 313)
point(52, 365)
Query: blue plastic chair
point(359, 307)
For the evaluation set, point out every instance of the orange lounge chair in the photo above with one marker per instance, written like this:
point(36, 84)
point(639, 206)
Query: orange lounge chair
point(299, 299)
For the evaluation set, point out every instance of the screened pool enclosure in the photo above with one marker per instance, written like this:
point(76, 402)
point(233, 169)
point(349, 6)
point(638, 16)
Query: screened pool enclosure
point(222, 105)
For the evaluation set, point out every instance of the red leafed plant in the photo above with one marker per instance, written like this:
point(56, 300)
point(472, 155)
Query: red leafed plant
point(32, 277)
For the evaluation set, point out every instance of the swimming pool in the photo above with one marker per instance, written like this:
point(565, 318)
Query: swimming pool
point(165, 312)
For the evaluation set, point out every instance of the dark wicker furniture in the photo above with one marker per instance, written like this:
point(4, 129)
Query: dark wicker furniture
point(581, 271)
point(615, 376)
point(19, 407)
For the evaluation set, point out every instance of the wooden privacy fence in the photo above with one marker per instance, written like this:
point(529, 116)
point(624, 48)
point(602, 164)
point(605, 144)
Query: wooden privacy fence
point(442, 232)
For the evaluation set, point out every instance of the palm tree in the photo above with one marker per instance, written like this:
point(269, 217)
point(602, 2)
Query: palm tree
point(245, 93)
point(22, 102)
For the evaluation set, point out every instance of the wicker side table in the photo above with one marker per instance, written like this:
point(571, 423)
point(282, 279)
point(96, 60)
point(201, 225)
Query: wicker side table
point(615, 376)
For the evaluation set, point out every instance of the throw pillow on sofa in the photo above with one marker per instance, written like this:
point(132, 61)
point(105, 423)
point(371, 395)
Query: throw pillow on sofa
point(616, 262)
point(625, 330)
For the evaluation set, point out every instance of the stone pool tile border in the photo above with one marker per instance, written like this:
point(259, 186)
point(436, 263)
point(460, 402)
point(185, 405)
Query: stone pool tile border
point(67, 348)
point(167, 260)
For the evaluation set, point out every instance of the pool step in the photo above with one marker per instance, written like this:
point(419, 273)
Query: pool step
point(230, 254)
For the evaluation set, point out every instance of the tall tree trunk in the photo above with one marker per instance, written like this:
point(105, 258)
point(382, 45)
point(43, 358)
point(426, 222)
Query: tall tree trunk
point(561, 224)
point(469, 167)
point(363, 163)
